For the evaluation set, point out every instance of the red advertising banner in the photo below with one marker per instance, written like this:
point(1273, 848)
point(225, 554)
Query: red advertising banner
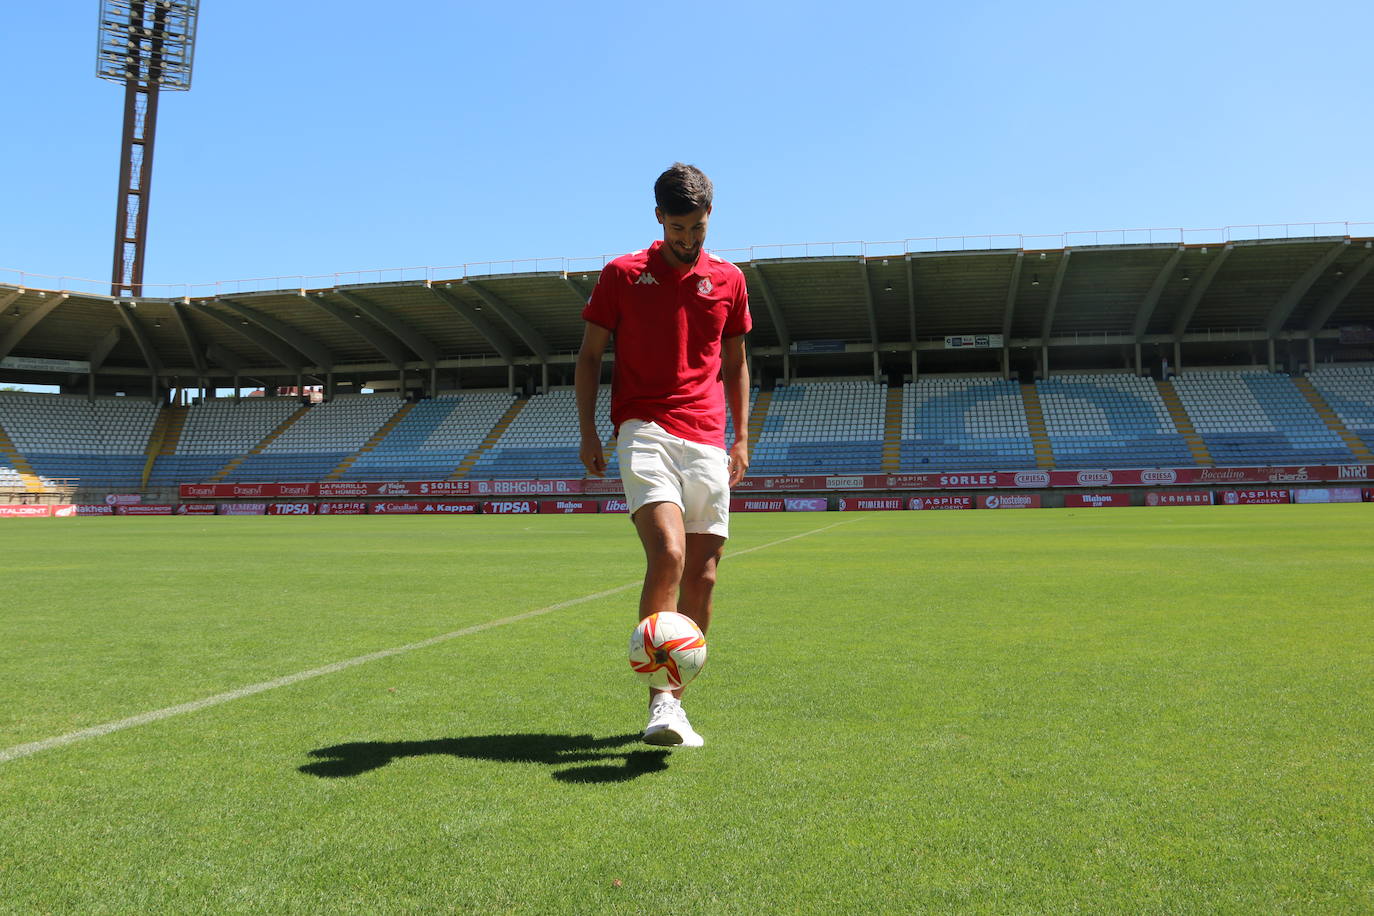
point(243, 508)
point(959, 501)
point(510, 507)
point(145, 510)
point(615, 505)
point(341, 508)
point(1266, 497)
point(450, 507)
point(94, 509)
point(64, 511)
point(1010, 501)
point(291, 509)
point(248, 490)
point(526, 487)
point(196, 509)
point(1179, 498)
point(423, 507)
point(757, 504)
point(870, 503)
point(1096, 500)
point(43, 511)
point(1328, 495)
point(953, 480)
point(568, 506)
point(807, 504)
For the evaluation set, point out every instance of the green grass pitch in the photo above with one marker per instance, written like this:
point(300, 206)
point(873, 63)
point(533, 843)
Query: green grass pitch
point(1125, 710)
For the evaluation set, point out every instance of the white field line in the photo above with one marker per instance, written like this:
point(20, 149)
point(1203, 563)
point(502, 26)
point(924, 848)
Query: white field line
point(95, 731)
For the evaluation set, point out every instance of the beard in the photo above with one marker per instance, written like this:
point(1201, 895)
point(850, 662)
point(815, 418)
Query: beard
point(688, 256)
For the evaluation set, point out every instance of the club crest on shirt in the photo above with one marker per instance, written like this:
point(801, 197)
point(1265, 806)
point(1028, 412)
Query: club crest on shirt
point(646, 279)
point(704, 287)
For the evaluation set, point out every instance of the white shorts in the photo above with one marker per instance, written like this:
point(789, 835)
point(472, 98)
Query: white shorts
point(658, 467)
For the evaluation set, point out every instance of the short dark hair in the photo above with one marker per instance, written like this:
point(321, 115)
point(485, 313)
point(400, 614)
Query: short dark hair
point(683, 189)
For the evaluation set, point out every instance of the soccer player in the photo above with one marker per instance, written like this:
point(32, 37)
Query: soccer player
point(679, 316)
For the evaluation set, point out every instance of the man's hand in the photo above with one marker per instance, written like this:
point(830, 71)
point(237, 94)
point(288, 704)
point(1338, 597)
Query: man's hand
point(739, 461)
point(593, 456)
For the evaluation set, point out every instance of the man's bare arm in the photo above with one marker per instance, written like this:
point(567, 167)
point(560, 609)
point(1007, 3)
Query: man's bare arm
point(735, 372)
point(586, 382)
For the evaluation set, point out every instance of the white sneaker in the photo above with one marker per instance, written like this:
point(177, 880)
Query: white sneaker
point(668, 725)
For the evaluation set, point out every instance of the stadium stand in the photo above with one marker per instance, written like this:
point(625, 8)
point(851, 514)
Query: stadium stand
point(1110, 421)
point(1256, 418)
point(543, 441)
point(821, 426)
point(218, 431)
point(99, 442)
point(962, 423)
point(317, 442)
point(1350, 392)
point(434, 438)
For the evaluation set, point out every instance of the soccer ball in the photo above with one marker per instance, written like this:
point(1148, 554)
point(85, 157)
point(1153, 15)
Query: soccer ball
point(667, 650)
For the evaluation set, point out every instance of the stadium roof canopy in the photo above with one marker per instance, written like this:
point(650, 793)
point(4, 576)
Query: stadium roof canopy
point(839, 310)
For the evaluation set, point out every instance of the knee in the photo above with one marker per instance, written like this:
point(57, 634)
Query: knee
point(703, 577)
point(667, 556)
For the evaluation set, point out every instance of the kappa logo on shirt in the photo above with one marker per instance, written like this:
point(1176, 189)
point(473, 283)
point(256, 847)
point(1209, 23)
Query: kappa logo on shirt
point(704, 287)
point(646, 279)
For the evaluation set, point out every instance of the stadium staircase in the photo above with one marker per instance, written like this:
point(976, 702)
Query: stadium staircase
point(1196, 445)
point(373, 442)
point(892, 432)
point(166, 434)
point(462, 470)
point(257, 449)
point(1035, 424)
point(1333, 422)
point(757, 414)
point(32, 482)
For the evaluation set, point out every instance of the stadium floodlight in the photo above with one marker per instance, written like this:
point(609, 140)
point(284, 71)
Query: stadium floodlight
point(148, 45)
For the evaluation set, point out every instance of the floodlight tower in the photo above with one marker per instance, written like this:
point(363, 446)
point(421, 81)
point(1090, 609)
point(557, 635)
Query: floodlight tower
point(148, 45)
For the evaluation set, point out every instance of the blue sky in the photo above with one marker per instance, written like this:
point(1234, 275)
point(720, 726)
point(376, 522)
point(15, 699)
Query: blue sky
point(332, 138)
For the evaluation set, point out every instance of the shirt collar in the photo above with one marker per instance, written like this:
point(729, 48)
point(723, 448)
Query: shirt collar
point(698, 269)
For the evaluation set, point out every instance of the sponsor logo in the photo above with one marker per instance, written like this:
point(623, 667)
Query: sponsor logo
point(254, 490)
point(968, 480)
point(123, 499)
point(1207, 475)
point(338, 488)
point(393, 489)
point(294, 489)
point(450, 508)
point(198, 490)
point(196, 509)
point(354, 508)
point(704, 287)
point(25, 511)
point(615, 505)
point(941, 502)
point(1032, 479)
point(1010, 501)
point(1288, 475)
point(291, 509)
point(1098, 499)
point(1353, 472)
point(646, 279)
point(784, 483)
point(510, 507)
point(242, 508)
point(88, 509)
point(844, 483)
point(1093, 478)
point(807, 504)
point(1158, 476)
point(440, 487)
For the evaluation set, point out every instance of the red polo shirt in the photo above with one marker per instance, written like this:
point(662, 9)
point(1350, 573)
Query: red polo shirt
point(668, 329)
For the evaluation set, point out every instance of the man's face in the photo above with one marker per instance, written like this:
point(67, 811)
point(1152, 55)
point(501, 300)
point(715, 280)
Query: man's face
point(683, 235)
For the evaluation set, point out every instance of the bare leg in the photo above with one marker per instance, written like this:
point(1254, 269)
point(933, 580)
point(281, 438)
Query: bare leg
point(661, 532)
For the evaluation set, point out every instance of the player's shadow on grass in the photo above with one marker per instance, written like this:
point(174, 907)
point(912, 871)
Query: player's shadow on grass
point(601, 761)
